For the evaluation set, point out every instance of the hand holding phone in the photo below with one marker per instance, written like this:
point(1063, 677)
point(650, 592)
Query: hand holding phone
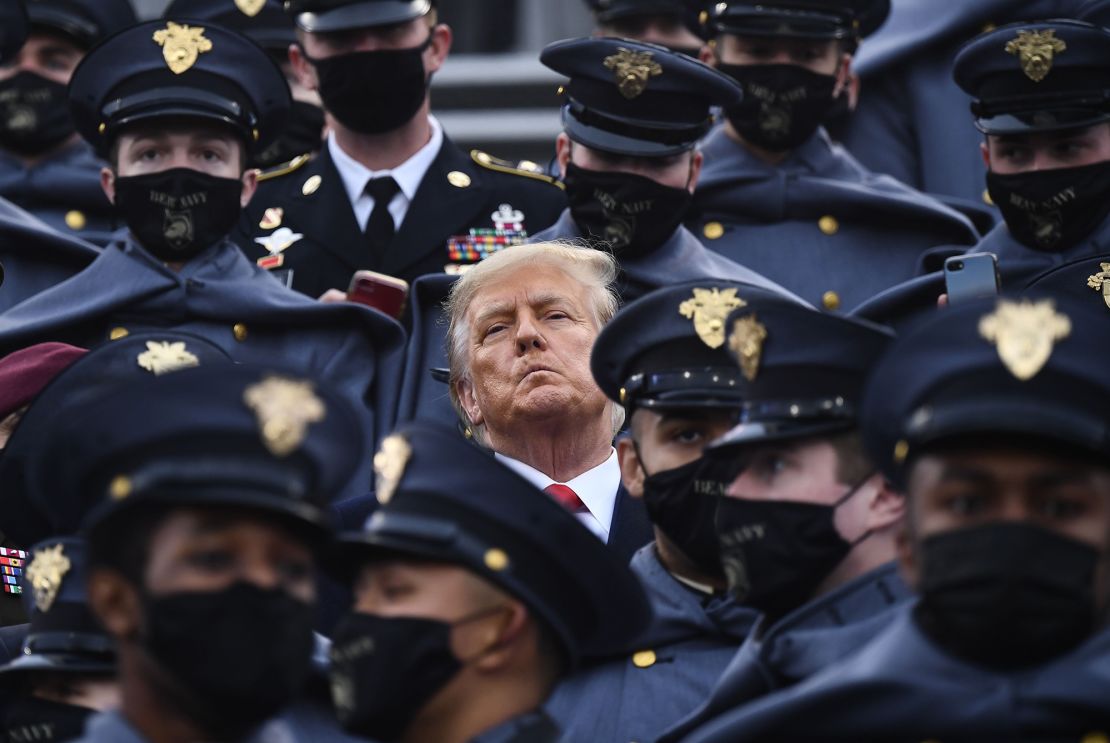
point(971, 276)
point(385, 293)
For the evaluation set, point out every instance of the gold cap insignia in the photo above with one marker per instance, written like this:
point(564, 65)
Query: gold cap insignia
point(162, 357)
point(250, 7)
point(632, 71)
point(1036, 50)
point(182, 45)
point(1025, 334)
point(45, 573)
point(709, 309)
point(746, 341)
point(285, 408)
point(1101, 282)
point(389, 466)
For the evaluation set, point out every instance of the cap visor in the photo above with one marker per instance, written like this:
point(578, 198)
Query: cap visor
point(619, 144)
point(363, 15)
point(755, 434)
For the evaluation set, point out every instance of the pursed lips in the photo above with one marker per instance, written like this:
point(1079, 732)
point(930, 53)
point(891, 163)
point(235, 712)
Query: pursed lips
point(533, 368)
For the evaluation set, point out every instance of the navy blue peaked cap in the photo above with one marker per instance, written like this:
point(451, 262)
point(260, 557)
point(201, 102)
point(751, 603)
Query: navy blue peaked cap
point(28, 511)
point(241, 436)
point(263, 21)
point(64, 636)
point(668, 348)
point(85, 21)
point(1043, 76)
point(444, 499)
point(179, 68)
point(1029, 367)
point(807, 19)
point(325, 16)
point(631, 98)
point(804, 371)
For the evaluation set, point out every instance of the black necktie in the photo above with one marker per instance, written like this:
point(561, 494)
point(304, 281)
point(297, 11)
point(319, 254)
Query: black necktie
point(380, 228)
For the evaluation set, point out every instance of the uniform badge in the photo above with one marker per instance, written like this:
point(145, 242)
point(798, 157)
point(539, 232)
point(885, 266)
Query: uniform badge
point(1036, 50)
point(458, 179)
point(48, 568)
point(182, 45)
point(507, 218)
point(161, 357)
point(632, 71)
point(389, 466)
point(275, 245)
point(272, 218)
point(1025, 334)
point(1100, 282)
point(250, 7)
point(285, 408)
point(746, 342)
point(709, 309)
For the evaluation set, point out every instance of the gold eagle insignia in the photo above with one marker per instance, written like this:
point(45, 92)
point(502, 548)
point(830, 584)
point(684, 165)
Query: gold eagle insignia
point(1037, 51)
point(632, 71)
point(1100, 282)
point(182, 45)
point(709, 309)
point(162, 357)
point(746, 343)
point(285, 409)
point(49, 566)
point(1025, 334)
point(389, 466)
point(250, 8)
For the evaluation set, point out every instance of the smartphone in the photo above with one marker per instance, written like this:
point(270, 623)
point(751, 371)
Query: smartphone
point(971, 276)
point(385, 293)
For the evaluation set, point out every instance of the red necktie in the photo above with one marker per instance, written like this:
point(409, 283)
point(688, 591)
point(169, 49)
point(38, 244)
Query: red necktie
point(566, 498)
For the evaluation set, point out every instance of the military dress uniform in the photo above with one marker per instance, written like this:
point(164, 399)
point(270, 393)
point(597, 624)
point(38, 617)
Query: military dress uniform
point(964, 372)
point(911, 121)
point(63, 640)
point(804, 378)
point(667, 116)
point(818, 223)
point(665, 352)
point(63, 189)
point(301, 220)
point(302, 225)
point(995, 70)
point(219, 294)
point(443, 500)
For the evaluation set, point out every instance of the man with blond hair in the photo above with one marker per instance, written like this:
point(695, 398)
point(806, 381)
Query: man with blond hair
point(521, 327)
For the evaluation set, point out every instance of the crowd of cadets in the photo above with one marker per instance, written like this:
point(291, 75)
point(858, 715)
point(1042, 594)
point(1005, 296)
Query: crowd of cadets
point(247, 494)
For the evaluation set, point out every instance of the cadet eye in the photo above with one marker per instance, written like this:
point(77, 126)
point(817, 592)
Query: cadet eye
point(212, 560)
point(1062, 509)
point(966, 504)
point(689, 436)
point(296, 570)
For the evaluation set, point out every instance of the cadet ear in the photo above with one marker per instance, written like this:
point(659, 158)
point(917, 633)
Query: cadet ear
point(503, 642)
point(108, 183)
point(887, 506)
point(632, 472)
point(562, 153)
point(302, 68)
point(436, 54)
point(250, 185)
point(115, 602)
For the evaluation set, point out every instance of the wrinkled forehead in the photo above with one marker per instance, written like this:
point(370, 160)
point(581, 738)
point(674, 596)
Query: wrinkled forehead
point(530, 285)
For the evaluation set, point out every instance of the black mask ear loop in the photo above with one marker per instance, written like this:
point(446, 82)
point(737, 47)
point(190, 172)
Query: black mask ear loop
point(848, 496)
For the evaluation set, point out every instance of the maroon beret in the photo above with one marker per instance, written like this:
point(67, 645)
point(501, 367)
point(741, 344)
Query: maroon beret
point(25, 373)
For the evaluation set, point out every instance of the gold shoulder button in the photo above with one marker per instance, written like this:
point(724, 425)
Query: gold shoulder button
point(713, 230)
point(829, 225)
point(239, 330)
point(987, 198)
point(489, 162)
point(75, 220)
point(116, 334)
point(284, 169)
point(831, 301)
point(644, 659)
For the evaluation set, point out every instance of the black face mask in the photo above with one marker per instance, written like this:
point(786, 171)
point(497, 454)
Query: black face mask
point(235, 658)
point(1053, 210)
point(1006, 595)
point(776, 553)
point(303, 134)
point(783, 104)
point(682, 502)
point(385, 669)
point(373, 92)
point(34, 114)
point(33, 719)
point(178, 213)
point(635, 215)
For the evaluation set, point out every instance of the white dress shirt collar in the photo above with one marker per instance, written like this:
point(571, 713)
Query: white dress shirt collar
point(408, 175)
point(596, 488)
